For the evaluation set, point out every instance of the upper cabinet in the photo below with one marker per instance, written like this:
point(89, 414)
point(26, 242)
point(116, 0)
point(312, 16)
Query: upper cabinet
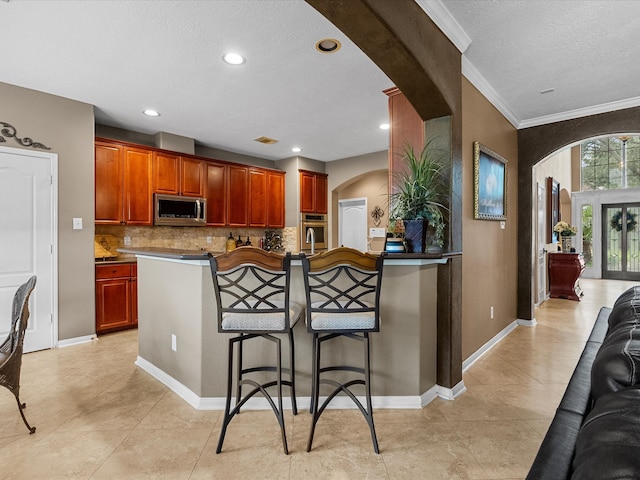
point(216, 193)
point(123, 185)
point(178, 175)
point(313, 192)
point(127, 176)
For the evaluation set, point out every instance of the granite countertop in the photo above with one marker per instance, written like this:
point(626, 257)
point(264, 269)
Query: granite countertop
point(182, 254)
point(175, 253)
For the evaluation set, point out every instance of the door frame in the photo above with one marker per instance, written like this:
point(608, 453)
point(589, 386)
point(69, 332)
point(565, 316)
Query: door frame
point(52, 158)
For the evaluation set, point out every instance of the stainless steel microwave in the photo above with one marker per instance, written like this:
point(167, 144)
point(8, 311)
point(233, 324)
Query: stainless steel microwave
point(177, 210)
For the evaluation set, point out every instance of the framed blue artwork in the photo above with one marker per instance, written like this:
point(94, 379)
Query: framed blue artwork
point(489, 184)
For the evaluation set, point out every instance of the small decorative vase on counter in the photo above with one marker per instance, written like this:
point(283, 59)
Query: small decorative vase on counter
point(415, 235)
point(565, 241)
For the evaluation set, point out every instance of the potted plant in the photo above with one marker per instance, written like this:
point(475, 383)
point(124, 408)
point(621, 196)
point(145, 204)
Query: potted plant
point(419, 195)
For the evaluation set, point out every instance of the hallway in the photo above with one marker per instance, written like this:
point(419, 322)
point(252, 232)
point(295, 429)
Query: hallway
point(100, 417)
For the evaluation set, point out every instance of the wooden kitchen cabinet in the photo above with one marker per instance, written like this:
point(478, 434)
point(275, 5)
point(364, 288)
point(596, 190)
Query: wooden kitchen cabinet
point(122, 185)
point(275, 199)
point(313, 192)
point(216, 194)
point(108, 183)
point(128, 175)
point(238, 196)
point(116, 297)
point(257, 198)
point(178, 175)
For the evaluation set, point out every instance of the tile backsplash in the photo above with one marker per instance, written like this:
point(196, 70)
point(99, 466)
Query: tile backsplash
point(191, 238)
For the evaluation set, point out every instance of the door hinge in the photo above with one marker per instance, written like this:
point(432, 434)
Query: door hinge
point(51, 318)
point(50, 179)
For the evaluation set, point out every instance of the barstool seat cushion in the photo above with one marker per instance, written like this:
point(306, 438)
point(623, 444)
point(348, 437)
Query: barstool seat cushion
point(342, 320)
point(258, 321)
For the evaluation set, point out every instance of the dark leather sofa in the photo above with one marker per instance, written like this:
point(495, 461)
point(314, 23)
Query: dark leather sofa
point(595, 433)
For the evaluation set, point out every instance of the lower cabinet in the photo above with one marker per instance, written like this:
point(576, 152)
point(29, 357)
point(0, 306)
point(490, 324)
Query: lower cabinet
point(116, 297)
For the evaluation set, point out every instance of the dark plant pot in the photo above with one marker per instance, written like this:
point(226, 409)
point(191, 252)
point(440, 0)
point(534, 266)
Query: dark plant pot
point(415, 233)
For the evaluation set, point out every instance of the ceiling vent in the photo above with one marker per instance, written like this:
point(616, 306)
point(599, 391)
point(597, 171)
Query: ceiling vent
point(266, 140)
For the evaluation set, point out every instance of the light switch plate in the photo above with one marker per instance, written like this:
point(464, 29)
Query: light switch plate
point(377, 232)
point(77, 223)
point(127, 241)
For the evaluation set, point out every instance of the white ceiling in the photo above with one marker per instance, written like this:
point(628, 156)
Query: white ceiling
point(125, 56)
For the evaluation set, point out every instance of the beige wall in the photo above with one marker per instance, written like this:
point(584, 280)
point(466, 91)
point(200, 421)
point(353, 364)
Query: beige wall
point(67, 127)
point(344, 172)
point(489, 272)
point(374, 187)
point(558, 166)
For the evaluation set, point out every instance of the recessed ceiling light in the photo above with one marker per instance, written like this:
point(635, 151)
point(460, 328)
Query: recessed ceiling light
point(328, 45)
point(233, 59)
point(384, 126)
point(151, 113)
point(296, 149)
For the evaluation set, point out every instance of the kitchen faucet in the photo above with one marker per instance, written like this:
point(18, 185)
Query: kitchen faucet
point(311, 237)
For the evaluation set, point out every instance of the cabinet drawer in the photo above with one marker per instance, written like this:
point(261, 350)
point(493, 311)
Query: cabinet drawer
point(113, 271)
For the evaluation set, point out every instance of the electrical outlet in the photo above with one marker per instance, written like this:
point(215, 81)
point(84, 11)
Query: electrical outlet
point(503, 225)
point(209, 239)
point(174, 343)
point(127, 241)
point(491, 311)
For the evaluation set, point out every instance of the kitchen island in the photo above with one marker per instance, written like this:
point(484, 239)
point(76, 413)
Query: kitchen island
point(179, 343)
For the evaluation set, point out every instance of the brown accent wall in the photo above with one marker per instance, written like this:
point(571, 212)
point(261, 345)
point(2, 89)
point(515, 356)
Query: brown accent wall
point(489, 270)
point(66, 126)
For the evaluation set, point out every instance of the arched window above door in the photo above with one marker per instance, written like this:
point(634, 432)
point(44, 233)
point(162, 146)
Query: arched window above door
point(609, 163)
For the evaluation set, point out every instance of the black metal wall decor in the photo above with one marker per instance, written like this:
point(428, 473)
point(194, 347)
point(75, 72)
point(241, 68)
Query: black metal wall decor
point(10, 131)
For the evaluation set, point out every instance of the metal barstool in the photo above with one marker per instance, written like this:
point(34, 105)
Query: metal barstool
point(251, 287)
point(342, 289)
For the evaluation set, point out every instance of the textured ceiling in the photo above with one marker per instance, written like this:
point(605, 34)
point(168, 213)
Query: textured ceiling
point(125, 56)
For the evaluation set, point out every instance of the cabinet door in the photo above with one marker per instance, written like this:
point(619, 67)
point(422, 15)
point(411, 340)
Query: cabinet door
point(192, 177)
point(216, 194)
point(112, 304)
point(108, 183)
point(321, 194)
point(138, 207)
point(238, 195)
point(166, 173)
point(257, 198)
point(275, 200)
point(307, 194)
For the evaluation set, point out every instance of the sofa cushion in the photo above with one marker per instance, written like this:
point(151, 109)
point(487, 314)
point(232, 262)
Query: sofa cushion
point(617, 365)
point(609, 440)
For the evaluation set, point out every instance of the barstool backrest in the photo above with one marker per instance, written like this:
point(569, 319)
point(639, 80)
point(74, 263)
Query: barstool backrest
point(251, 287)
point(342, 288)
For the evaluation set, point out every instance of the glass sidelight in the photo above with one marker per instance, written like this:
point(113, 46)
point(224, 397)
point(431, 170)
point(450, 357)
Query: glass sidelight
point(620, 238)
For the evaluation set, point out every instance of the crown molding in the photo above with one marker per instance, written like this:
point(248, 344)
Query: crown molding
point(481, 83)
point(581, 112)
point(436, 10)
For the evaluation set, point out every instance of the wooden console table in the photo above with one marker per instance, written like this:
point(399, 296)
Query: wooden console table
point(564, 271)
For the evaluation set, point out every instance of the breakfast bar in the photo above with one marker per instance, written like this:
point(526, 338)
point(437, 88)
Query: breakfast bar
point(179, 343)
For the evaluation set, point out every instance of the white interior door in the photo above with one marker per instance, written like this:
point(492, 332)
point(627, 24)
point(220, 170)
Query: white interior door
point(352, 219)
point(27, 240)
point(541, 271)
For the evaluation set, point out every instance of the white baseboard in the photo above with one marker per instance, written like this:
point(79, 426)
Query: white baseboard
point(67, 342)
point(489, 345)
point(451, 393)
point(527, 323)
point(260, 403)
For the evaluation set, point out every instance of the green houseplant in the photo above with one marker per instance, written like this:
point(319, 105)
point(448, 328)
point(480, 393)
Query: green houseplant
point(419, 195)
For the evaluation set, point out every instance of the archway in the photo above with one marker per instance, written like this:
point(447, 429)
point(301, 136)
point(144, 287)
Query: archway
point(535, 144)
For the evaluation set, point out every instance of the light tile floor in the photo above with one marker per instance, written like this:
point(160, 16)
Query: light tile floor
point(100, 417)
